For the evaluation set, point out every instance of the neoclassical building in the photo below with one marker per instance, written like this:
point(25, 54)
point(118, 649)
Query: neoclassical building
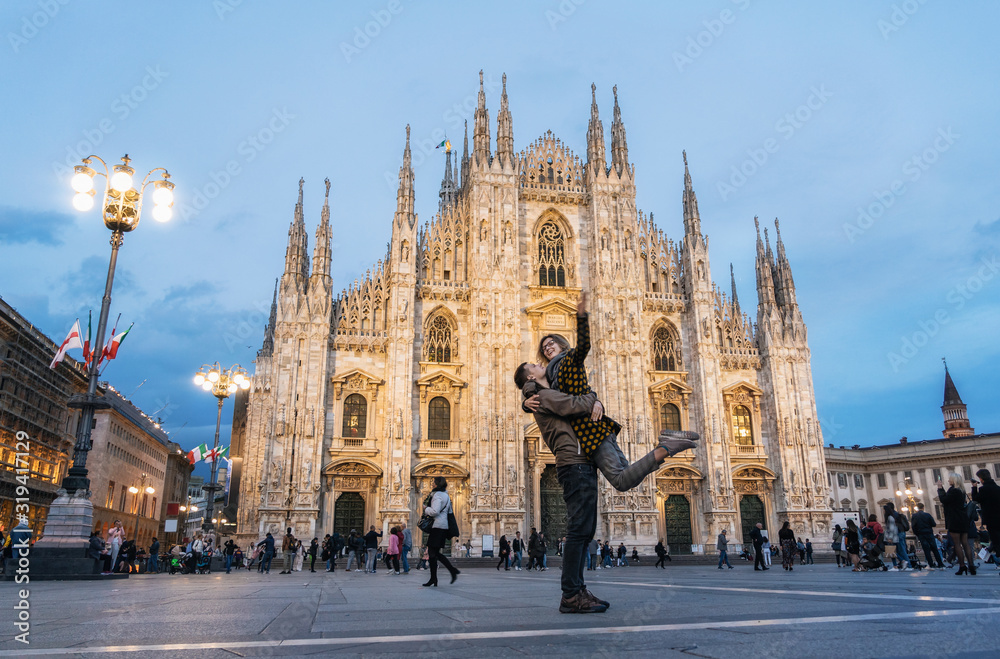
point(360, 398)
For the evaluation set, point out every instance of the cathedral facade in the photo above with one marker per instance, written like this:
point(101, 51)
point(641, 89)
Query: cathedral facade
point(360, 398)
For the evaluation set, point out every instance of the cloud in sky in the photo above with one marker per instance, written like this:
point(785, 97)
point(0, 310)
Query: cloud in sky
point(892, 131)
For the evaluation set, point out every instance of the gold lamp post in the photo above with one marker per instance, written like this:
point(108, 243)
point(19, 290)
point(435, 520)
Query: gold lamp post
point(221, 382)
point(121, 208)
point(906, 494)
point(148, 489)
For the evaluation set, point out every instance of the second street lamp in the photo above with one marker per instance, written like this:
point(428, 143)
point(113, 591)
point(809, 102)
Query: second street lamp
point(147, 489)
point(221, 382)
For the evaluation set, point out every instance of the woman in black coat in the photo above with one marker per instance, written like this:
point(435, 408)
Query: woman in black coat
point(956, 520)
point(788, 548)
point(504, 554)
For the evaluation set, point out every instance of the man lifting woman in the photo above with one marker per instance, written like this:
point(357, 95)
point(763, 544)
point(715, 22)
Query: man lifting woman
point(572, 422)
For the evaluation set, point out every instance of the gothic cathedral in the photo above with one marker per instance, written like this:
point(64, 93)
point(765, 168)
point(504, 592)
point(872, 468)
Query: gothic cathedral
point(360, 399)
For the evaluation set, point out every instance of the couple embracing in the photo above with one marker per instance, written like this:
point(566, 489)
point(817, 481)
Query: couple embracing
point(572, 422)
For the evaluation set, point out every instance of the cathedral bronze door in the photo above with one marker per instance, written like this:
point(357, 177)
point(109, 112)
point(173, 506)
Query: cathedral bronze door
point(677, 514)
point(553, 523)
point(751, 512)
point(349, 513)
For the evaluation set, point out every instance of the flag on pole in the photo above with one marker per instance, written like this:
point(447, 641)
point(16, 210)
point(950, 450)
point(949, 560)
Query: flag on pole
point(111, 350)
point(72, 341)
point(86, 344)
point(229, 475)
point(197, 454)
point(446, 144)
point(104, 352)
point(213, 454)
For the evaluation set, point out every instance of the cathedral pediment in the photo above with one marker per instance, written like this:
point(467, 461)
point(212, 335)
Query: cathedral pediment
point(670, 389)
point(432, 468)
point(742, 393)
point(356, 380)
point(352, 467)
point(441, 382)
point(553, 314)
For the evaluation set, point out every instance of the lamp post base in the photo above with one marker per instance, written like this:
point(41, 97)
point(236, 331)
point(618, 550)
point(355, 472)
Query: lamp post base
point(62, 553)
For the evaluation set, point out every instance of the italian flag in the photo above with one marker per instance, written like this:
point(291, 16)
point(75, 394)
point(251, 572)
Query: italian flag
point(86, 344)
point(198, 453)
point(72, 341)
point(111, 350)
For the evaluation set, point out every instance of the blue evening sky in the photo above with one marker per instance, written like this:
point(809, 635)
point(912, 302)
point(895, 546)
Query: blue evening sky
point(873, 126)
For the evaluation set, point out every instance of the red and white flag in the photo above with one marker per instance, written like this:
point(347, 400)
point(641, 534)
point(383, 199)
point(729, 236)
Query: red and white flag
point(72, 341)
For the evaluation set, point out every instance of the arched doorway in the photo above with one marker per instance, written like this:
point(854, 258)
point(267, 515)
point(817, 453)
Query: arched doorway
point(677, 514)
point(553, 522)
point(349, 513)
point(751, 512)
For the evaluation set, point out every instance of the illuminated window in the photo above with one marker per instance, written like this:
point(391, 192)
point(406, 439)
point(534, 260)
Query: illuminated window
point(742, 426)
point(355, 416)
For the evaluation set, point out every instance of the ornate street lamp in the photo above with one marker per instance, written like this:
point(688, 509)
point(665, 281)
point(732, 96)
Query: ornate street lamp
point(148, 489)
point(906, 493)
point(121, 207)
point(221, 382)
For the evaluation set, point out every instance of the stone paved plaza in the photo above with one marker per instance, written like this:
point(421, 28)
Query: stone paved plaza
point(815, 611)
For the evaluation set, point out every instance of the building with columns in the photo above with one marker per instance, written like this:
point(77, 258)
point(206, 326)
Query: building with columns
point(862, 479)
point(360, 398)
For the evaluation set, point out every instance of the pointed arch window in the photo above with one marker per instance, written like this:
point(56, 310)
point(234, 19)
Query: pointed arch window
point(438, 346)
point(742, 426)
point(551, 256)
point(665, 351)
point(355, 416)
point(670, 417)
point(439, 419)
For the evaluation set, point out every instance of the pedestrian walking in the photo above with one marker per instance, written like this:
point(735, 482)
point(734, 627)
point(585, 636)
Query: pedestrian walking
point(923, 524)
point(504, 554)
point(956, 519)
point(267, 544)
point(229, 550)
point(986, 493)
point(371, 548)
point(809, 552)
point(661, 555)
point(838, 537)
point(407, 548)
point(395, 546)
point(153, 562)
point(311, 552)
point(517, 551)
point(288, 551)
point(786, 537)
point(757, 538)
point(896, 526)
point(116, 538)
point(722, 546)
point(438, 505)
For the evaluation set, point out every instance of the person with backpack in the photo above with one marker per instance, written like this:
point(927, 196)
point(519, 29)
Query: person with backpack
point(895, 537)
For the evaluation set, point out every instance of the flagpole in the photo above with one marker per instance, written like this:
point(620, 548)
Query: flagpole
point(211, 488)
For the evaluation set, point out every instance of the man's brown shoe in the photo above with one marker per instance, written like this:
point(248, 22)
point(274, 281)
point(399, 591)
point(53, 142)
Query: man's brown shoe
point(580, 603)
point(595, 599)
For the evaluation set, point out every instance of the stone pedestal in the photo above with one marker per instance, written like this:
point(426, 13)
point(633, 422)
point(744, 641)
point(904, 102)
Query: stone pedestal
point(62, 553)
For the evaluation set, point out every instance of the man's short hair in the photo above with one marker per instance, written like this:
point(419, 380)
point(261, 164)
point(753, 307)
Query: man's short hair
point(920, 505)
point(521, 375)
point(984, 474)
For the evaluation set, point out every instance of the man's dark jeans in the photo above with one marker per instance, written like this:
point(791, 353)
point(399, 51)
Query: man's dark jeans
point(579, 483)
point(931, 552)
point(758, 559)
